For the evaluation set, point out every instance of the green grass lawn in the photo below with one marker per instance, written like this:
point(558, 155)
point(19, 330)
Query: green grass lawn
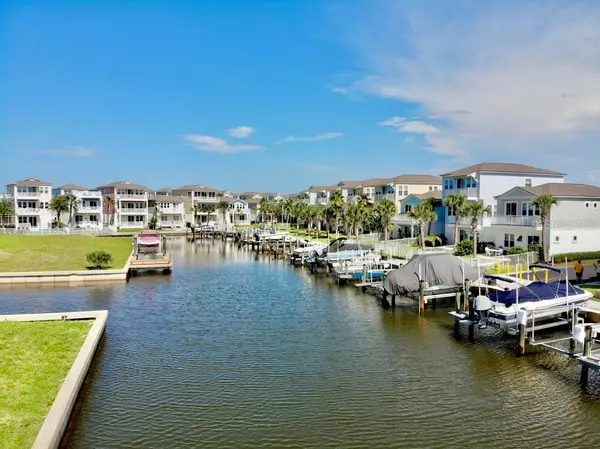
point(36, 357)
point(58, 252)
point(131, 230)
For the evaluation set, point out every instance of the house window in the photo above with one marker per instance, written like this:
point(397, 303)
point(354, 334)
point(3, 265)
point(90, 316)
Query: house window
point(556, 239)
point(529, 209)
point(407, 208)
point(587, 204)
point(509, 240)
point(527, 182)
point(451, 211)
point(494, 210)
point(511, 209)
point(448, 184)
point(533, 240)
point(574, 239)
point(595, 205)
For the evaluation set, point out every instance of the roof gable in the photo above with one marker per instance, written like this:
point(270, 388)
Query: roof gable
point(502, 167)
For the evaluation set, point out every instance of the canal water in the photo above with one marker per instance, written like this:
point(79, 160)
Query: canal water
point(239, 351)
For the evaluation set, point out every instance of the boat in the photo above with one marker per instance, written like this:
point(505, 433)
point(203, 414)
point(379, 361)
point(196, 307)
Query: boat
point(544, 300)
point(310, 248)
point(149, 242)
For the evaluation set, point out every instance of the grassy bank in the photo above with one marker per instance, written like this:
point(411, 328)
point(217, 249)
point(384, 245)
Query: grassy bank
point(36, 357)
point(58, 252)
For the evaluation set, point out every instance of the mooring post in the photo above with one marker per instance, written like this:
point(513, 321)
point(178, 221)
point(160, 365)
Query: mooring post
point(458, 301)
point(573, 342)
point(421, 296)
point(522, 323)
point(471, 321)
point(467, 294)
point(587, 351)
point(456, 320)
point(393, 301)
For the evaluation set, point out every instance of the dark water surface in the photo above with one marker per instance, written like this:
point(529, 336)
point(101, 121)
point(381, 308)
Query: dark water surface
point(234, 352)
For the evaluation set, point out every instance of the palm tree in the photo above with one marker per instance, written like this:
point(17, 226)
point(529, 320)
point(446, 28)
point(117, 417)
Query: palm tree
point(475, 211)
point(72, 204)
point(59, 205)
point(363, 199)
point(336, 206)
point(386, 209)
point(223, 207)
point(110, 208)
point(288, 204)
point(263, 208)
point(434, 203)
point(544, 203)
point(210, 209)
point(423, 214)
point(318, 215)
point(353, 217)
point(196, 209)
point(457, 203)
point(7, 210)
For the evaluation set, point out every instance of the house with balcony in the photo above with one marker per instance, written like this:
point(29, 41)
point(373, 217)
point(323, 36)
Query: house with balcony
point(198, 194)
point(402, 186)
point(164, 191)
point(407, 227)
point(239, 212)
point(317, 195)
point(483, 182)
point(31, 202)
point(573, 224)
point(169, 211)
point(89, 211)
point(128, 204)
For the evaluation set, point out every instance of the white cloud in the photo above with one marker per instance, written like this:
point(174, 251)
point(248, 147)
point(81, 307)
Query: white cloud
point(323, 136)
point(217, 145)
point(70, 152)
point(514, 76)
point(400, 125)
point(241, 132)
point(438, 144)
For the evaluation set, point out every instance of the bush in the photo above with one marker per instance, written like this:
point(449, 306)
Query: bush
point(99, 259)
point(482, 245)
point(572, 257)
point(516, 250)
point(537, 248)
point(463, 248)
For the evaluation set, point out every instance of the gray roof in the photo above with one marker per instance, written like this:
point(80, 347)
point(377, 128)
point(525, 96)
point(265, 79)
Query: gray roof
point(72, 187)
point(500, 167)
point(373, 182)
point(195, 188)
point(320, 188)
point(124, 185)
point(560, 189)
point(30, 182)
point(437, 194)
point(417, 179)
point(349, 184)
point(166, 198)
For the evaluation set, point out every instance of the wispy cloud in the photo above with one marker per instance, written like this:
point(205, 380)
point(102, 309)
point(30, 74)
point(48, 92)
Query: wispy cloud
point(69, 152)
point(217, 145)
point(513, 76)
point(241, 132)
point(323, 136)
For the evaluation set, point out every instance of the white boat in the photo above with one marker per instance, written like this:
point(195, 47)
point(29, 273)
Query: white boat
point(505, 297)
point(310, 248)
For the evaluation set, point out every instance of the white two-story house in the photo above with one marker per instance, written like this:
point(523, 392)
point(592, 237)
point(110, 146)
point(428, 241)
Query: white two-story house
point(398, 188)
point(573, 224)
point(483, 182)
point(193, 194)
point(169, 211)
point(127, 207)
point(88, 214)
point(317, 195)
point(31, 199)
point(239, 212)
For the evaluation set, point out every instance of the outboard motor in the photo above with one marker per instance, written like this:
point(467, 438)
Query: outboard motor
point(482, 306)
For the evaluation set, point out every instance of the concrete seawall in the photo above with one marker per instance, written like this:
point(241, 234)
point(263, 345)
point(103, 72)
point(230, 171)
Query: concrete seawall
point(65, 277)
point(55, 424)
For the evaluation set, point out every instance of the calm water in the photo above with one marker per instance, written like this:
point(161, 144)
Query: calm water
point(234, 351)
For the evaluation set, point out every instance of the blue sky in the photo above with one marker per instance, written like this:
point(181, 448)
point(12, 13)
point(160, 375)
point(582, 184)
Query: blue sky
point(266, 95)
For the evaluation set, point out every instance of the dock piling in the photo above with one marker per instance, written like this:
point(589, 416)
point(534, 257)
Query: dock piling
point(522, 323)
point(421, 296)
point(587, 351)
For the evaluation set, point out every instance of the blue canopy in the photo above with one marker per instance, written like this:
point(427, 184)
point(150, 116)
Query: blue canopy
point(545, 267)
point(536, 291)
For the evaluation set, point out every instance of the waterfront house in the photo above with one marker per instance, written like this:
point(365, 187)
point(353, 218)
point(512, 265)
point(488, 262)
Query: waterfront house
point(239, 212)
point(573, 224)
point(89, 211)
point(169, 211)
point(407, 227)
point(483, 182)
point(193, 194)
point(130, 208)
point(317, 195)
point(165, 191)
point(31, 202)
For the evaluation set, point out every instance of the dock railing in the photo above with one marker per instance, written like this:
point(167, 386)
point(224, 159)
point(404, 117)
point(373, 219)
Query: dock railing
point(516, 265)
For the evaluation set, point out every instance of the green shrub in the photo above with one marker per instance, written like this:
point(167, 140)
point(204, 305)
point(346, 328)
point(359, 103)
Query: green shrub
point(516, 250)
point(463, 248)
point(99, 259)
point(572, 257)
point(537, 248)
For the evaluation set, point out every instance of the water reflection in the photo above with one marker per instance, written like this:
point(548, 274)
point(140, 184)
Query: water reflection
point(238, 350)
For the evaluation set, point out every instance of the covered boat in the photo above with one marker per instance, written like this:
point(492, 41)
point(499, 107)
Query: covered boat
point(440, 271)
point(149, 242)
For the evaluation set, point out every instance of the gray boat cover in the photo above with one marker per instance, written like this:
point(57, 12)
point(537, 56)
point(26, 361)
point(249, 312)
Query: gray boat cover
point(436, 269)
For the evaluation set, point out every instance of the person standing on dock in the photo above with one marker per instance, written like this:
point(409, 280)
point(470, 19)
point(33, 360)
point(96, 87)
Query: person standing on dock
point(597, 267)
point(579, 272)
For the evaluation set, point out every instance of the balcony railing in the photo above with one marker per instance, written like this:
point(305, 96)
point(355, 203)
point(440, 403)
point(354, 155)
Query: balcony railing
point(133, 196)
point(469, 192)
point(134, 210)
point(403, 218)
point(93, 209)
point(27, 194)
point(385, 196)
point(28, 210)
point(322, 200)
point(516, 220)
point(484, 221)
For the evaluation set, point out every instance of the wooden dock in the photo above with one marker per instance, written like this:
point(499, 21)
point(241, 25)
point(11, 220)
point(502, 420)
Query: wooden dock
point(164, 264)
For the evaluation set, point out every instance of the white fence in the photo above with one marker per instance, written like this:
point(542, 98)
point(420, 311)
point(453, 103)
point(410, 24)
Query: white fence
point(55, 231)
point(508, 264)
